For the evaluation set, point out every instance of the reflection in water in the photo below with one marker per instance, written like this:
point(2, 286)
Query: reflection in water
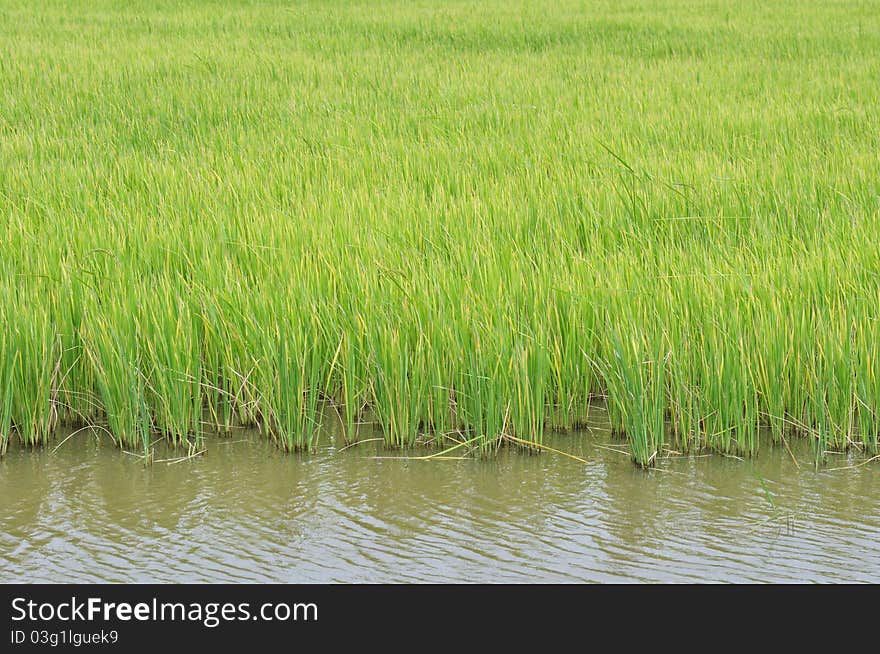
point(245, 512)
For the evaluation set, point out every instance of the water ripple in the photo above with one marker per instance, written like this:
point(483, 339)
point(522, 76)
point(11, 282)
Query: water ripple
point(244, 513)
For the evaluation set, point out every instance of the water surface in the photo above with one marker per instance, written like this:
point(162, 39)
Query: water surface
point(245, 512)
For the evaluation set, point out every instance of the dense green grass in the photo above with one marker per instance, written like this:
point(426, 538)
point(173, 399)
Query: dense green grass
point(458, 218)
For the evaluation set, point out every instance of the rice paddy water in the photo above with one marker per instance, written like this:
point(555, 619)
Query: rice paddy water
point(464, 221)
point(245, 511)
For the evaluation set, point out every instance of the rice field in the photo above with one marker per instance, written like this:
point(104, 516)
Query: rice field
point(469, 222)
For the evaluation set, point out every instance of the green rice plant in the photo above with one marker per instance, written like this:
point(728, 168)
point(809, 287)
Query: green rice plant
point(867, 383)
point(290, 376)
point(634, 374)
point(354, 389)
point(480, 410)
point(35, 368)
point(399, 383)
point(572, 379)
point(218, 385)
point(528, 402)
point(113, 350)
point(75, 390)
point(171, 365)
point(464, 223)
point(8, 359)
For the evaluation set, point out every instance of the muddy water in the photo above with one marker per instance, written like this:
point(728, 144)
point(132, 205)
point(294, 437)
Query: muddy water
point(244, 512)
